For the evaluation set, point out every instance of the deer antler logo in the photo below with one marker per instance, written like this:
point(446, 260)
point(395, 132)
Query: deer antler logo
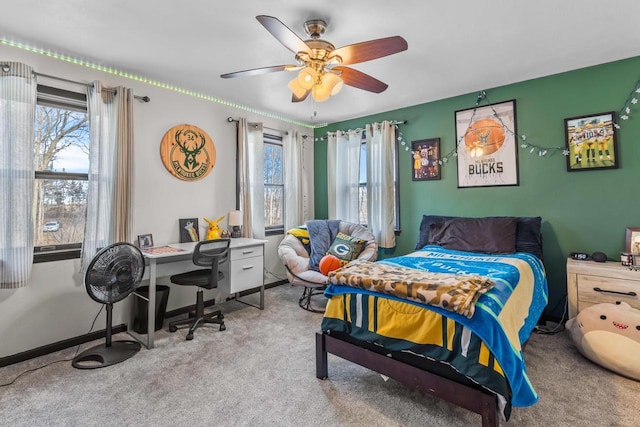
point(483, 137)
point(190, 147)
point(188, 152)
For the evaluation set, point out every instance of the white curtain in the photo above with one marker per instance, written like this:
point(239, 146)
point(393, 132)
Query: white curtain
point(109, 190)
point(343, 175)
point(295, 179)
point(17, 116)
point(381, 160)
point(251, 178)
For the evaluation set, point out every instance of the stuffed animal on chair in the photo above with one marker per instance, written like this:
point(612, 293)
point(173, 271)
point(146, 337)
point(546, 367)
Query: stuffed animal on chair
point(609, 335)
point(213, 232)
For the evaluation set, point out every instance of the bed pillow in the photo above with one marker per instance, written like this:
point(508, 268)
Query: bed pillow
point(528, 236)
point(346, 248)
point(484, 235)
point(427, 220)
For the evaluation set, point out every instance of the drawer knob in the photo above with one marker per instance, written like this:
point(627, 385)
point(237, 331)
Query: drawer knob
point(631, 294)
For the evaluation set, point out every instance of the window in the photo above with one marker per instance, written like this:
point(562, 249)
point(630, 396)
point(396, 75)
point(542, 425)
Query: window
point(61, 160)
point(273, 185)
point(362, 190)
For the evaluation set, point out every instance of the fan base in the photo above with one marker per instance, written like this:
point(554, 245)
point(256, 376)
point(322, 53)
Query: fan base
point(101, 356)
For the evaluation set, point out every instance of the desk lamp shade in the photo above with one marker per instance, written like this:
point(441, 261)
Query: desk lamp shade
point(235, 221)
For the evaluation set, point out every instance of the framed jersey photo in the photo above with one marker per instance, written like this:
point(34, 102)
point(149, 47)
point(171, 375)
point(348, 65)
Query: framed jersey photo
point(591, 142)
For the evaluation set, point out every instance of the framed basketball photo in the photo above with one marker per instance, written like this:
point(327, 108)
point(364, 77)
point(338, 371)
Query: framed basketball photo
point(487, 154)
point(425, 156)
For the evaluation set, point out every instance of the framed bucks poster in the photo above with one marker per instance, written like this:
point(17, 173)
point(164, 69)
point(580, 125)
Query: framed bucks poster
point(487, 154)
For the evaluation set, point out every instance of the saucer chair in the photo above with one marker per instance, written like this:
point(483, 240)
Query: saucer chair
point(296, 261)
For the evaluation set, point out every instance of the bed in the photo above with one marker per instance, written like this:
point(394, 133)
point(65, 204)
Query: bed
point(449, 319)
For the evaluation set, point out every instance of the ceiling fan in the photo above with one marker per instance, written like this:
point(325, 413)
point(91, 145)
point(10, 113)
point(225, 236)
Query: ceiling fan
point(322, 66)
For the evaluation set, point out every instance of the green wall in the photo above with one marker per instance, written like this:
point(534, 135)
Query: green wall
point(581, 211)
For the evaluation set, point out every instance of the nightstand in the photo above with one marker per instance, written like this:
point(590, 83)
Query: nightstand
point(590, 283)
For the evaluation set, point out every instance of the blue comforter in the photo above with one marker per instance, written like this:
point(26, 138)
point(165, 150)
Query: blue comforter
point(504, 316)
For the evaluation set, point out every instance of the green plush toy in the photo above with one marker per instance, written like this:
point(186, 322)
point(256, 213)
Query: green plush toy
point(609, 335)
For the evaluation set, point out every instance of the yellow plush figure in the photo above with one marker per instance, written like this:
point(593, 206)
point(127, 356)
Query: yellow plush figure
point(213, 232)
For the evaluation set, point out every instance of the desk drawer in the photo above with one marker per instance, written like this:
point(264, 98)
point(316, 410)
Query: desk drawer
point(596, 289)
point(246, 273)
point(248, 252)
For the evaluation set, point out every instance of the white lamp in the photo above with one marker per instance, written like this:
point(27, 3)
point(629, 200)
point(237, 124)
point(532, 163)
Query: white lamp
point(235, 221)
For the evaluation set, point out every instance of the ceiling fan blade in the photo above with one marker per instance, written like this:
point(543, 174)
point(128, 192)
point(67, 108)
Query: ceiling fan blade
point(360, 80)
point(258, 71)
point(294, 98)
point(372, 49)
point(284, 35)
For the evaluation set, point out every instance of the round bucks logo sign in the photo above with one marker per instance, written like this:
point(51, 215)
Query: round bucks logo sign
point(187, 152)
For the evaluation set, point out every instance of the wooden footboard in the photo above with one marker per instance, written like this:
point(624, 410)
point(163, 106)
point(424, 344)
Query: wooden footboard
point(483, 403)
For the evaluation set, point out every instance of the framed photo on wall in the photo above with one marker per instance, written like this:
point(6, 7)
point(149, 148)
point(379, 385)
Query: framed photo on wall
point(487, 154)
point(591, 141)
point(425, 157)
point(189, 230)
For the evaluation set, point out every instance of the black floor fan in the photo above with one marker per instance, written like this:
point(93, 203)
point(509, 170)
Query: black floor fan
point(113, 274)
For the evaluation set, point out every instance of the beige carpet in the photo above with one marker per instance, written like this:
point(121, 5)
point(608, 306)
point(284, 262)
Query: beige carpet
point(261, 372)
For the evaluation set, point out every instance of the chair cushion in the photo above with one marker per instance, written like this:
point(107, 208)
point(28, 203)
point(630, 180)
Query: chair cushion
point(302, 234)
point(198, 278)
point(346, 248)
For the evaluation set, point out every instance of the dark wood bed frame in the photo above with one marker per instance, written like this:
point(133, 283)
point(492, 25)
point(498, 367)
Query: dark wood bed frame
point(479, 401)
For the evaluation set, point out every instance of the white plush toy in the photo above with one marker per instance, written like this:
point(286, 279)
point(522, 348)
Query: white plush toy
point(609, 335)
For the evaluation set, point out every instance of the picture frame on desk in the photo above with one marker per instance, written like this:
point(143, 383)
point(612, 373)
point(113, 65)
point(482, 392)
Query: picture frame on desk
point(145, 241)
point(632, 241)
point(189, 230)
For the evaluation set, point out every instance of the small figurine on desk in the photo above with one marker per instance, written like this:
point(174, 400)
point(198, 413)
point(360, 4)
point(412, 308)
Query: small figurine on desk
point(224, 234)
point(213, 232)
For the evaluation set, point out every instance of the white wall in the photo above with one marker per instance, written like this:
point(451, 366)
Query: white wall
point(55, 305)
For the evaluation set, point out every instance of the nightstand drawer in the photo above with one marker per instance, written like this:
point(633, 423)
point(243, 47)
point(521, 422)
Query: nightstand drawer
point(596, 289)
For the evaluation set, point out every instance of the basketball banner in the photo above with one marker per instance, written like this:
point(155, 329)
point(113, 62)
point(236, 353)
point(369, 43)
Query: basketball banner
point(487, 151)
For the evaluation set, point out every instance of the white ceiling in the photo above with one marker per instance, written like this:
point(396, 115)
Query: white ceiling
point(455, 47)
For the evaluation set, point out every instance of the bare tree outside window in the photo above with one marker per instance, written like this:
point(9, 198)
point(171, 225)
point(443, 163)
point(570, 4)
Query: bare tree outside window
point(273, 183)
point(61, 160)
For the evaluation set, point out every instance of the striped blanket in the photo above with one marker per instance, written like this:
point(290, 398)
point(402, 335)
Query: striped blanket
point(504, 316)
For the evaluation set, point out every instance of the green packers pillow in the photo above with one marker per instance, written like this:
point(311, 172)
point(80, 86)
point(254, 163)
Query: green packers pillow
point(346, 248)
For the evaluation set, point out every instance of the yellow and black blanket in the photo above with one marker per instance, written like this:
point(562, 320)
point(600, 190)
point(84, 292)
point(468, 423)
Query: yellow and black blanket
point(508, 293)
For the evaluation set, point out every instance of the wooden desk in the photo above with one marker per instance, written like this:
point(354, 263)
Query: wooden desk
point(246, 265)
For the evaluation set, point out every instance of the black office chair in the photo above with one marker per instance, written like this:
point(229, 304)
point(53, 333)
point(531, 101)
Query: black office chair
point(208, 253)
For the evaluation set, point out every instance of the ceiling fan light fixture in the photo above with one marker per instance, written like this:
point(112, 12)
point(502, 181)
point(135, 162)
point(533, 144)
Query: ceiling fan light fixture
point(307, 78)
point(320, 93)
point(298, 91)
point(333, 82)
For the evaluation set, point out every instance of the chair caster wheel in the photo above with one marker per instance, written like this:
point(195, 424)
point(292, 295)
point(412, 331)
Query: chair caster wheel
point(223, 328)
point(189, 337)
point(172, 328)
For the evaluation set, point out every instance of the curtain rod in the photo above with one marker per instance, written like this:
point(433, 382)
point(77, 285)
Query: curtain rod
point(231, 120)
point(392, 122)
point(76, 82)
